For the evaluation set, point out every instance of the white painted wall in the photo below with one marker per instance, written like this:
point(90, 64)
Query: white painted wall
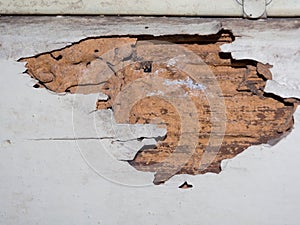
point(48, 182)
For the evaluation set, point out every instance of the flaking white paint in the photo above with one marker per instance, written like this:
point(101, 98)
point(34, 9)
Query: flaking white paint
point(277, 45)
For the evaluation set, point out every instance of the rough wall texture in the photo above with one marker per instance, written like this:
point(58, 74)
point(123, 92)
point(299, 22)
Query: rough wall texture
point(253, 116)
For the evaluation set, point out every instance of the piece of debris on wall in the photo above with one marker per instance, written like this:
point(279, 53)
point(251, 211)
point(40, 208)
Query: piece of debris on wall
point(109, 64)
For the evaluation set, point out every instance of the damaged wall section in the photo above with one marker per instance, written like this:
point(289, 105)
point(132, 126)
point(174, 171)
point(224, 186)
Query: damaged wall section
point(109, 64)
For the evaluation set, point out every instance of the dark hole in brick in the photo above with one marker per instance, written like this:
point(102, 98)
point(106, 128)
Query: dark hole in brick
point(147, 66)
point(57, 58)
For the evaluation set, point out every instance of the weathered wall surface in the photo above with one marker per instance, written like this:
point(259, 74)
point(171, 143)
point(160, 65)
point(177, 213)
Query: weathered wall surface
point(115, 65)
point(46, 180)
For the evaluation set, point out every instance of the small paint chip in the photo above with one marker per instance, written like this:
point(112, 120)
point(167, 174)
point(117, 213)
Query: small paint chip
point(185, 185)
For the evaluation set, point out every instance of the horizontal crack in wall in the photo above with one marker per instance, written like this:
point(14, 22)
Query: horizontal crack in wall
point(253, 116)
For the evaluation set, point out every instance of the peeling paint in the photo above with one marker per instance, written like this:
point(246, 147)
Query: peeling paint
point(109, 65)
